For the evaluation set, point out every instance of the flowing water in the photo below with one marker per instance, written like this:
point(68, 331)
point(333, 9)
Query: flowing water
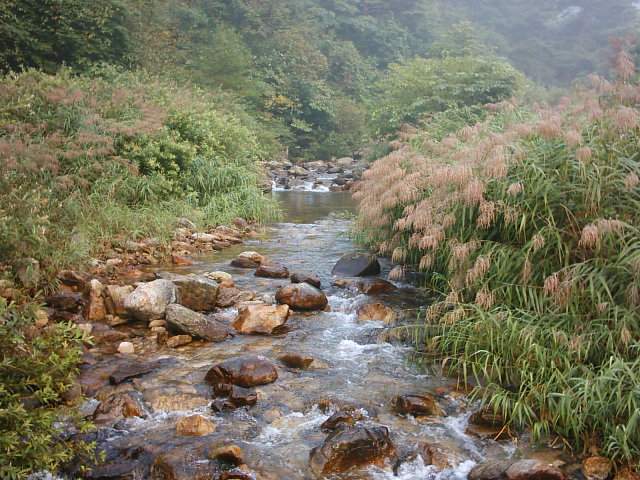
point(352, 365)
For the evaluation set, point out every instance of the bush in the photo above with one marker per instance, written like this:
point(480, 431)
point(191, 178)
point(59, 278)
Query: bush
point(36, 369)
point(527, 223)
point(420, 86)
point(92, 159)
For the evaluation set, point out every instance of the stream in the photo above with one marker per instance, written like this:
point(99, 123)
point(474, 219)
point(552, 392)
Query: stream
point(351, 366)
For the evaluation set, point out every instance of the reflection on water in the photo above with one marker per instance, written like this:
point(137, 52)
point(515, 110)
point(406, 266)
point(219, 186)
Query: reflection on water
point(308, 207)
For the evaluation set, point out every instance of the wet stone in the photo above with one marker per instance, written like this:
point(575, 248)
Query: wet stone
point(417, 405)
point(246, 371)
point(533, 470)
point(356, 265)
point(340, 420)
point(132, 370)
point(194, 426)
point(272, 270)
point(296, 360)
point(178, 341)
point(597, 468)
point(302, 296)
point(182, 463)
point(491, 470)
point(311, 279)
point(260, 319)
point(352, 447)
point(195, 324)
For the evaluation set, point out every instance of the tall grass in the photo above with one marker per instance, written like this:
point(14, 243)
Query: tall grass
point(528, 224)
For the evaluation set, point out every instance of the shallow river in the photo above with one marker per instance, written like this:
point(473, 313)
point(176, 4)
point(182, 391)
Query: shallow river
point(351, 365)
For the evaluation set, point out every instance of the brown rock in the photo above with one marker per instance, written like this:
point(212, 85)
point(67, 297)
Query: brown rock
point(533, 470)
point(311, 279)
point(96, 310)
point(417, 405)
point(194, 426)
point(228, 453)
point(181, 260)
point(352, 447)
point(236, 397)
point(245, 371)
point(248, 260)
point(377, 312)
point(72, 279)
point(182, 464)
point(296, 360)
point(132, 369)
point(117, 406)
point(436, 456)
point(260, 319)
point(340, 419)
point(597, 468)
point(627, 473)
point(302, 296)
point(67, 301)
point(375, 286)
point(491, 470)
point(272, 270)
point(178, 341)
point(115, 296)
point(230, 296)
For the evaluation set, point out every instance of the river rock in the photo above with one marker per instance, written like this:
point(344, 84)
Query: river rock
point(344, 162)
point(375, 286)
point(490, 470)
point(597, 468)
point(132, 369)
point(236, 397)
point(66, 301)
point(194, 426)
point(195, 324)
point(352, 447)
point(219, 277)
point(230, 296)
point(182, 463)
point(117, 406)
point(377, 312)
point(228, 453)
point(72, 278)
point(356, 265)
point(245, 371)
point(417, 405)
point(178, 340)
point(260, 319)
point(272, 270)
point(126, 348)
point(533, 470)
point(96, 309)
point(340, 419)
point(149, 301)
point(296, 360)
point(115, 298)
point(302, 296)
point(248, 260)
point(298, 171)
point(196, 292)
point(309, 278)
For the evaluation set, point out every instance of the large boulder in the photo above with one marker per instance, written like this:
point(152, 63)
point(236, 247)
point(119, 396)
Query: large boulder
point(302, 296)
point(149, 301)
point(246, 371)
point(195, 324)
point(198, 293)
point(116, 296)
point(356, 265)
point(345, 162)
point(417, 405)
point(248, 260)
point(230, 296)
point(352, 447)
point(260, 319)
point(272, 270)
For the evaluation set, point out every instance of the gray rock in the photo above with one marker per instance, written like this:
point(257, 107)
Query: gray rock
point(357, 265)
point(149, 301)
point(195, 324)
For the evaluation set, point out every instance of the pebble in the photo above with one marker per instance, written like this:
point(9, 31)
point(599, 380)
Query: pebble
point(126, 348)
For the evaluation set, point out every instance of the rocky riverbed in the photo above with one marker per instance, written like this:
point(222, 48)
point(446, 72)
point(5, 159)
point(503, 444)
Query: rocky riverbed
point(271, 359)
point(317, 176)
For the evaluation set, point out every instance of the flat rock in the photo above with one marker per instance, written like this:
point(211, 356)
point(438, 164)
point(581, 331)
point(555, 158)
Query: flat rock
point(356, 265)
point(272, 270)
point(195, 292)
point(533, 470)
point(260, 319)
point(132, 370)
point(245, 371)
point(194, 426)
point(417, 405)
point(490, 470)
point(296, 360)
point(230, 296)
point(195, 324)
point(178, 340)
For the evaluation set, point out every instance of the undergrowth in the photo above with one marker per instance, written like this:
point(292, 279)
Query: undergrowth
point(527, 223)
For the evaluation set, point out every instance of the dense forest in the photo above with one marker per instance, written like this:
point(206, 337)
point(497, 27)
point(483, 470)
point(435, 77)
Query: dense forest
point(122, 120)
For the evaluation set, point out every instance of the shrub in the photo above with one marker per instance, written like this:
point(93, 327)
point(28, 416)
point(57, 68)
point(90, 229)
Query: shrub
point(422, 86)
point(527, 223)
point(91, 158)
point(36, 369)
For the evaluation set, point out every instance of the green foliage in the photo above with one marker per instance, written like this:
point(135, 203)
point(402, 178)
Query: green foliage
point(527, 224)
point(36, 369)
point(49, 33)
point(422, 86)
point(92, 159)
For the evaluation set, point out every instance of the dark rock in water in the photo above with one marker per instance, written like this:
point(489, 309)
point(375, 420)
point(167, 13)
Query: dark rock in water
point(296, 360)
point(245, 371)
point(533, 470)
point(197, 293)
point(230, 296)
point(357, 265)
point(352, 447)
point(132, 370)
point(417, 405)
point(180, 464)
point(236, 474)
point(302, 296)
point(116, 407)
point(272, 270)
point(69, 302)
point(195, 324)
point(491, 470)
point(311, 279)
point(339, 420)
point(236, 396)
point(124, 470)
